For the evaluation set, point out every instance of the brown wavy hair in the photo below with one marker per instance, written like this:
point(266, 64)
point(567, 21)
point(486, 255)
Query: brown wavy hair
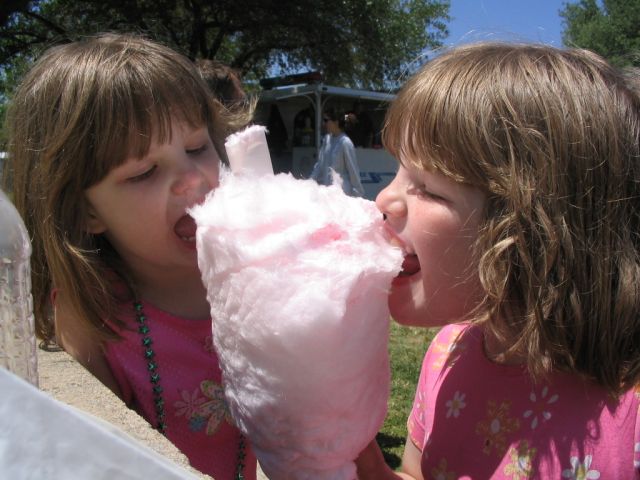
point(81, 110)
point(551, 135)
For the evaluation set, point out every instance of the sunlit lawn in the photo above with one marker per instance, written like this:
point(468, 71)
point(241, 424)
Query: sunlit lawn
point(407, 347)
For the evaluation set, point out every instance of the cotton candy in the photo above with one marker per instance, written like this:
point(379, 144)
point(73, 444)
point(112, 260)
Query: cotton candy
point(297, 276)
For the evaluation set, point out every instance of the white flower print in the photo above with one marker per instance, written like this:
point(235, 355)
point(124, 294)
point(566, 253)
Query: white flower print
point(456, 404)
point(539, 413)
point(420, 406)
point(580, 470)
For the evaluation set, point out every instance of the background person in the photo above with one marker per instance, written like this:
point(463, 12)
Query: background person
point(337, 153)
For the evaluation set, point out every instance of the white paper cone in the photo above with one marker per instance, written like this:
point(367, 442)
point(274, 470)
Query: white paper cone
point(248, 151)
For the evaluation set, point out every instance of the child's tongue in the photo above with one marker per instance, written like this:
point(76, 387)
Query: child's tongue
point(410, 265)
point(185, 228)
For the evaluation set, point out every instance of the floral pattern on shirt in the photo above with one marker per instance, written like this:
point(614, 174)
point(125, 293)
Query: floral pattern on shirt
point(456, 404)
point(189, 404)
point(496, 426)
point(441, 472)
point(560, 428)
point(446, 352)
point(539, 412)
point(521, 465)
point(581, 470)
point(206, 411)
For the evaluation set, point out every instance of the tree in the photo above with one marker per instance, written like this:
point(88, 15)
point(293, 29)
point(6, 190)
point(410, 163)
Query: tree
point(360, 43)
point(608, 27)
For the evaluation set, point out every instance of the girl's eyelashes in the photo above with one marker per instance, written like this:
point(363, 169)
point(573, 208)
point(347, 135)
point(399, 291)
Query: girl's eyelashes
point(423, 192)
point(143, 176)
point(199, 150)
point(149, 172)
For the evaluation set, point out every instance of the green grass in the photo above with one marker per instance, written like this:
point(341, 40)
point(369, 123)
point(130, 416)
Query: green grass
point(407, 347)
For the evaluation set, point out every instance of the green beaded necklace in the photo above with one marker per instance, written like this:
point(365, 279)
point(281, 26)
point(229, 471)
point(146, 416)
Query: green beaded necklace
point(156, 388)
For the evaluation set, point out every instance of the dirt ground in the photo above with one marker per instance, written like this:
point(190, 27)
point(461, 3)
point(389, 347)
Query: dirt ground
point(66, 381)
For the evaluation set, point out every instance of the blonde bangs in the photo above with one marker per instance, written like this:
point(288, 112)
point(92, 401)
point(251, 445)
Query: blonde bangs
point(437, 112)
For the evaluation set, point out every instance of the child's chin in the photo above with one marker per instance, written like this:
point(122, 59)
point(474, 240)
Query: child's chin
point(400, 304)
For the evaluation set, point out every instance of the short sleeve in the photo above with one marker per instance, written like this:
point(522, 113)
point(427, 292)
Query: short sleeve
point(416, 424)
point(434, 361)
point(636, 442)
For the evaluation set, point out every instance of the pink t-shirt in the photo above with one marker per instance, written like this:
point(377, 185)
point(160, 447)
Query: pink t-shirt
point(475, 419)
point(197, 417)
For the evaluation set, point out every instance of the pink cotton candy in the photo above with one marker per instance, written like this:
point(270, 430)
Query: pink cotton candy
point(297, 276)
point(326, 234)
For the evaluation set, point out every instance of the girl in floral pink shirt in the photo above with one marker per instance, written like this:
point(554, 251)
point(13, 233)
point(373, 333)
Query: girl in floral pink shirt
point(492, 421)
point(517, 202)
point(113, 139)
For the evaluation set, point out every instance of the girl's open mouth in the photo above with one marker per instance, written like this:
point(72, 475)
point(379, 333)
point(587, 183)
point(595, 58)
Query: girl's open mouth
point(185, 228)
point(410, 265)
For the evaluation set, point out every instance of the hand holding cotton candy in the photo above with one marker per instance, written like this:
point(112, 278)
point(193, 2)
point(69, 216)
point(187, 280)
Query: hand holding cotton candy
point(297, 276)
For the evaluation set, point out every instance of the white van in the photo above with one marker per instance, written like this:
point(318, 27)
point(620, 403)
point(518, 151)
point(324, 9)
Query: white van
point(292, 114)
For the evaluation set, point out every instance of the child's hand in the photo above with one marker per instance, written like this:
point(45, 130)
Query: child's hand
point(371, 465)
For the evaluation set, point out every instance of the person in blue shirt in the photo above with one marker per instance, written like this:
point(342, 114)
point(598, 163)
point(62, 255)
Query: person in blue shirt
point(337, 153)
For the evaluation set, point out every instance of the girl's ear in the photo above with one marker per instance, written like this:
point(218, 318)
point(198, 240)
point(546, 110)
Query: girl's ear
point(94, 224)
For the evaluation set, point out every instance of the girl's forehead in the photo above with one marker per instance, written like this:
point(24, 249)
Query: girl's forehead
point(432, 166)
point(412, 160)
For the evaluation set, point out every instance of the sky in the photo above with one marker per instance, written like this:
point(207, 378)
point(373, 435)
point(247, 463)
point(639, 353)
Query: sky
point(510, 20)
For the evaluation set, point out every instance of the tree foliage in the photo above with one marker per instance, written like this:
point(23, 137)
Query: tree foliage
point(608, 27)
point(360, 43)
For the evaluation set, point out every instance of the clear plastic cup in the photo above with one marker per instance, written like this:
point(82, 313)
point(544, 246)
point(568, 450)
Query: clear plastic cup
point(17, 333)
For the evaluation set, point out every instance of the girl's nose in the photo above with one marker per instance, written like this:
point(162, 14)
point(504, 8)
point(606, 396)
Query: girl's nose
point(194, 183)
point(390, 201)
